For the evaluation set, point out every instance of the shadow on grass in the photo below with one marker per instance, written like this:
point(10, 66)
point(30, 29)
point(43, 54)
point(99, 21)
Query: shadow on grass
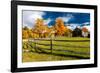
point(41, 51)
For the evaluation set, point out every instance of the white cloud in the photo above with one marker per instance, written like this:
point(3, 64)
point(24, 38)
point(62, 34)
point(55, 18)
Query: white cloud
point(86, 23)
point(27, 26)
point(47, 21)
point(29, 17)
point(67, 17)
point(72, 26)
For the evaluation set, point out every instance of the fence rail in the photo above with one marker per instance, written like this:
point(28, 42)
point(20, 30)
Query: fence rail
point(62, 40)
point(64, 45)
point(51, 44)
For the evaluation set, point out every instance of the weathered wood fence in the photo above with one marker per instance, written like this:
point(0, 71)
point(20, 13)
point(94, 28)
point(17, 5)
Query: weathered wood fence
point(36, 42)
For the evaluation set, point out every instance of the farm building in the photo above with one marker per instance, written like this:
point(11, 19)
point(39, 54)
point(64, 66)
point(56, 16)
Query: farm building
point(77, 32)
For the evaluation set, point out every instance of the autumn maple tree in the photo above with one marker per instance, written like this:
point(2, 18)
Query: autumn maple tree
point(40, 27)
point(84, 29)
point(59, 27)
point(25, 32)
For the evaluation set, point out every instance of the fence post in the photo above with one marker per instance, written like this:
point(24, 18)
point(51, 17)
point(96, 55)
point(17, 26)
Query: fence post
point(35, 45)
point(51, 45)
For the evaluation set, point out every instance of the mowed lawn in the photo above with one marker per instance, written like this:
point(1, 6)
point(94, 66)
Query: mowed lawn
point(63, 49)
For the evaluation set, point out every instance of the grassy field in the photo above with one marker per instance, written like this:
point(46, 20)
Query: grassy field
point(61, 50)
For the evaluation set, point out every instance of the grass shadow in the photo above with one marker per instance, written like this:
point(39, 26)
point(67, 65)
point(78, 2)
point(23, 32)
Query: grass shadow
point(41, 51)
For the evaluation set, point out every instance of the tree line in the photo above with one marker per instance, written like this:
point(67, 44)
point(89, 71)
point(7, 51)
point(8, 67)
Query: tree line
point(41, 30)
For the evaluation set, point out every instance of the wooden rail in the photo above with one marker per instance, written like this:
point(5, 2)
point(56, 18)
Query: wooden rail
point(36, 42)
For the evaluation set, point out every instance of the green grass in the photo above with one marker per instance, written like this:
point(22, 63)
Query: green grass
point(36, 57)
point(73, 53)
point(71, 38)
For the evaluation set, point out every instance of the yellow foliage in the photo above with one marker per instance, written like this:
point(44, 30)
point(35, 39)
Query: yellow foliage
point(59, 27)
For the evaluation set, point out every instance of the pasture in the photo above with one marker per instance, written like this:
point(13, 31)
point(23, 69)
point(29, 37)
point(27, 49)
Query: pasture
point(56, 49)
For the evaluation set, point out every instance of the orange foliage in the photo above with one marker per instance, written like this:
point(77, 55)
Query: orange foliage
point(59, 26)
point(25, 34)
point(84, 29)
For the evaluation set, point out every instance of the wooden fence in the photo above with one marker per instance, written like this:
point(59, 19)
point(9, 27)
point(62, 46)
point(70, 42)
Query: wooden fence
point(61, 49)
point(36, 42)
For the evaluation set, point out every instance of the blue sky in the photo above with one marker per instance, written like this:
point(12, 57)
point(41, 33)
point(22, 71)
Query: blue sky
point(69, 18)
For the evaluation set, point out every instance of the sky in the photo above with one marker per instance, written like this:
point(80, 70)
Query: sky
point(70, 18)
